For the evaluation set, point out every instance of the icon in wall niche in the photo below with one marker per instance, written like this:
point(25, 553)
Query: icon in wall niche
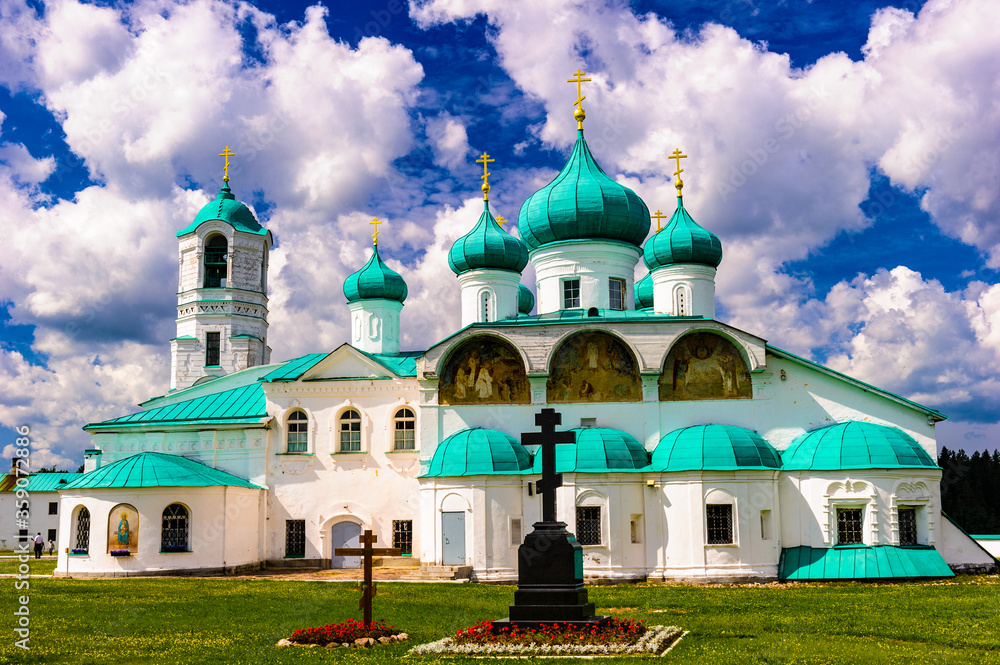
point(123, 530)
point(704, 366)
point(484, 370)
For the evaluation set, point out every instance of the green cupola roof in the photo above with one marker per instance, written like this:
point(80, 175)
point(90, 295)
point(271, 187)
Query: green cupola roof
point(525, 299)
point(478, 451)
point(487, 246)
point(714, 448)
point(375, 281)
point(682, 240)
point(598, 449)
point(227, 209)
point(644, 292)
point(583, 203)
point(855, 445)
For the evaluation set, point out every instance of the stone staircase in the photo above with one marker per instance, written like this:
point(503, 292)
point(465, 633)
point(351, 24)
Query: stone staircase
point(395, 562)
point(434, 573)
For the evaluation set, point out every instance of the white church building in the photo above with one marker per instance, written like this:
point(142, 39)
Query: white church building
point(702, 452)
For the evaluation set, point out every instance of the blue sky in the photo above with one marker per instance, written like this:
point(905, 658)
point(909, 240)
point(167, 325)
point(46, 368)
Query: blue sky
point(845, 155)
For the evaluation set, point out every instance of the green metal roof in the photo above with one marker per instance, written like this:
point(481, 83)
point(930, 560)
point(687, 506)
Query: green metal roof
point(525, 299)
point(375, 281)
point(478, 451)
point(38, 482)
point(245, 405)
point(855, 445)
point(682, 240)
point(582, 202)
point(644, 292)
point(294, 368)
point(861, 563)
point(403, 365)
point(226, 208)
point(598, 449)
point(487, 246)
point(985, 536)
point(714, 448)
point(157, 470)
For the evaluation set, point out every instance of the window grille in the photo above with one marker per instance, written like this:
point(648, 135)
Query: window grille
point(350, 431)
point(616, 293)
point(53, 507)
point(682, 307)
point(402, 535)
point(907, 526)
point(571, 293)
point(720, 523)
point(213, 347)
point(405, 434)
point(215, 262)
point(298, 432)
point(486, 307)
point(849, 526)
point(82, 530)
point(174, 529)
point(295, 538)
point(588, 525)
point(516, 535)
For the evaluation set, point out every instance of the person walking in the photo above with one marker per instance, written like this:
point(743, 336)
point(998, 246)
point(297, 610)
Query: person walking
point(39, 541)
point(52, 547)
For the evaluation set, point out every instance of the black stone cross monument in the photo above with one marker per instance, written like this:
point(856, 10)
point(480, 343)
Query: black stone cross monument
point(550, 560)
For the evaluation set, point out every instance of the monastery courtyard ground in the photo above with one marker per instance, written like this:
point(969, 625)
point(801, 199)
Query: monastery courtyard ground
point(239, 620)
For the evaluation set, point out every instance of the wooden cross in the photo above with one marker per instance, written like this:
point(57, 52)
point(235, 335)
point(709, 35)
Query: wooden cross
point(678, 183)
point(227, 153)
point(367, 587)
point(658, 216)
point(485, 159)
point(375, 222)
point(548, 438)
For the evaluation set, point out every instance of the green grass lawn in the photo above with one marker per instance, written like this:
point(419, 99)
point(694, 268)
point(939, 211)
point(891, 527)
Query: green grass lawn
point(45, 566)
point(239, 620)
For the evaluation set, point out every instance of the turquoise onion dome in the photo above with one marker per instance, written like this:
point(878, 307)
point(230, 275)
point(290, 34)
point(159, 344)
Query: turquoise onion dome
point(644, 292)
point(682, 240)
point(855, 445)
point(714, 448)
point(583, 203)
point(598, 449)
point(375, 281)
point(478, 451)
point(227, 209)
point(487, 246)
point(525, 299)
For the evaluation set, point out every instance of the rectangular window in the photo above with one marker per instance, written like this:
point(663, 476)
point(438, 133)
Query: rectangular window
point(571, 293)
point(402, 535)
point(53, 507)
point(720, 523)
point(213, 345)
point(350, 439)
point(295, 538)
point(22, 535)
point(765, 525)
point(52, 535)
point(849, 526)
point(588, 525)
point(907, 526)
point(616, 293)
point(516, 537)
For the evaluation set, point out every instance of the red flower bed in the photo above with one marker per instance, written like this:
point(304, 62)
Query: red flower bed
point(347, 631)
point(617, 631)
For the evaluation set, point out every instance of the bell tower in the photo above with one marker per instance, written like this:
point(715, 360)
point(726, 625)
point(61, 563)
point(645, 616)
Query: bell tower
point(222, 291)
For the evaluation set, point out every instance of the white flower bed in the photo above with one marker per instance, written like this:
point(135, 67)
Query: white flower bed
point(654, 640)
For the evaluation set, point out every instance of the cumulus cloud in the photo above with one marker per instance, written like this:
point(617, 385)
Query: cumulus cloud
point(450, 141)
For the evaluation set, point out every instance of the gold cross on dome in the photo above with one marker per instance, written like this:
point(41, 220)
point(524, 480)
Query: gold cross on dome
point(227, 153)
point(485, 160)
point(375, 222)
point(501, 221)
point(678, 183)
point(579, 114)
point(658, 216)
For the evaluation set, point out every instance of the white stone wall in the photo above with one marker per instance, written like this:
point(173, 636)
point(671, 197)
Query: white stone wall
point(39, 519)
point(684, 290)
point(375, 325)
point(594, 262)
point(498, 287)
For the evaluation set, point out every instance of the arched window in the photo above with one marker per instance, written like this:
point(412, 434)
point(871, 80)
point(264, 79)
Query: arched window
point(486, 307)
point(350, 431)
point(174, 529)
point(298, 432)
point(216, 251)
point(81, 545)
point(682, 300)
point(404, 436)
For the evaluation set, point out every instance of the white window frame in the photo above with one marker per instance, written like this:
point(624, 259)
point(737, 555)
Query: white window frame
point(340, 420)
point(397, 418)
point(566, 284)
point(288, 431)
point(623, 295)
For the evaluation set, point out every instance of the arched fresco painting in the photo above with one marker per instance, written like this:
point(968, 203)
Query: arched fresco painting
point(484, 370)
point(123, 529)
point(593, 367)
point(704, 366)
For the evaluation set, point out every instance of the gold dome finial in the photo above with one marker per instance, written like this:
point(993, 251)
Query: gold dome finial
point(579, 113)
point(375, 222)
point(678, 183)
point(227, 153)
point(658, 217)
point(485, 159)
